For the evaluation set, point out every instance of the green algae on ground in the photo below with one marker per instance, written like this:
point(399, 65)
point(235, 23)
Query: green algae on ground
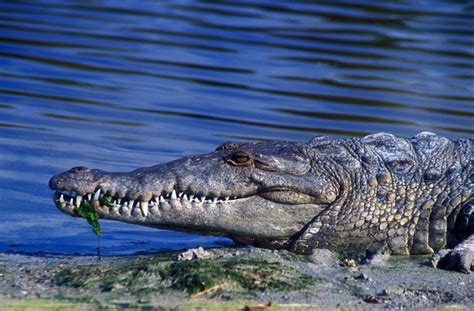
point(206, 277)
point(43, 304)
point(87, 211)
point(66, 305)
point(251, 275)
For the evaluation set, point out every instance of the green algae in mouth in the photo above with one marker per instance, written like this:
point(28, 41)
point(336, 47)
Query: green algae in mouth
point(105, 200)
point(87, 211)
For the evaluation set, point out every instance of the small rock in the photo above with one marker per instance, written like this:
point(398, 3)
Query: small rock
point(363, 276)
point(375, 256)
point(371, 299)
point(323, 257)
point(259, 307)
point(397, 291)
point(194, 253)
point(351, 263)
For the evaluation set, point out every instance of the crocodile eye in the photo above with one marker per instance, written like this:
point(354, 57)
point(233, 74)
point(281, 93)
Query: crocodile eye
point(240, 159)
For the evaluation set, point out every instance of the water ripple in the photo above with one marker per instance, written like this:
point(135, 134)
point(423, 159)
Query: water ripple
point(121, 84)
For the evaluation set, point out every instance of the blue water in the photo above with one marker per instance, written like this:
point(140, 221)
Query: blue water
point(118, 85)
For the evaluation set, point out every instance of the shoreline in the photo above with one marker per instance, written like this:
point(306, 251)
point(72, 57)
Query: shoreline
point(228, 278)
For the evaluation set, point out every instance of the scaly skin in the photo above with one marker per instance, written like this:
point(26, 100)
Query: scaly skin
point(357, 193)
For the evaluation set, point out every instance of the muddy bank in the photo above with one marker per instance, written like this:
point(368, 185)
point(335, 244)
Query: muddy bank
point(228, 278)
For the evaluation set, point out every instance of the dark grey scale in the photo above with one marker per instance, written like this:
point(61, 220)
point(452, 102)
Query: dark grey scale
point(432, 175)
point(464, 223)
point(431, 228)
point(420, 243)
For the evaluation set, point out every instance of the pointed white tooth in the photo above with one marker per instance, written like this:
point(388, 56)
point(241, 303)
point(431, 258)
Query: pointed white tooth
point(214, 200)
point(157, 199)
point(144, 208)
point(131, 203)
point(191, 197)
point(125, 204)
point(96, 195)
point(203, 199)
point(180, 194)
point(162, 200)
point(116, 209)
point(71, 202)
point(78, 200)
point(185, 197)
point(173, 195)
point(227, 199)
point(155, 210)
point(125, 210)
point(61, 198)
point(89, 196)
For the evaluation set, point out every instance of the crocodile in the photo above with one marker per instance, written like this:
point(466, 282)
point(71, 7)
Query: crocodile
point(410, 196)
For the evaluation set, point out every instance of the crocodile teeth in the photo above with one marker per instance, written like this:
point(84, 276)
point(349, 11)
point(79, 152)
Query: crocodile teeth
point(61, 198)
point(78, 200)
point(184, 197)
point(214, 200)
point(71, 202)
point(144, 208)
point(162, 200)
point(89, 196)
point(173, 195)
point(96, 195)
point(203, 199)
point(227, 199)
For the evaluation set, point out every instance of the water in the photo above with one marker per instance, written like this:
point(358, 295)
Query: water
point(121, 84)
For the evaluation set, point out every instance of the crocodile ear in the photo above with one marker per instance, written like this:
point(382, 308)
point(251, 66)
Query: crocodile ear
point(229, 146)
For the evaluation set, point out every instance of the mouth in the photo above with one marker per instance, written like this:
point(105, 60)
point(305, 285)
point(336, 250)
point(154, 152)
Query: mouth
point(107, 205)
point(240, 218)
point(113, 207)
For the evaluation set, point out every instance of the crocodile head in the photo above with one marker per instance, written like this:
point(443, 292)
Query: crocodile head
point(255, 193)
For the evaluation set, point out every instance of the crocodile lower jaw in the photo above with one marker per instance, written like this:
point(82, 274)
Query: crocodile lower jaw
point(68, 201)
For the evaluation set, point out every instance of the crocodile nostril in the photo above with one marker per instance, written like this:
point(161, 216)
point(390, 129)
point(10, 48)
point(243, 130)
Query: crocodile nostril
point(79, 169)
